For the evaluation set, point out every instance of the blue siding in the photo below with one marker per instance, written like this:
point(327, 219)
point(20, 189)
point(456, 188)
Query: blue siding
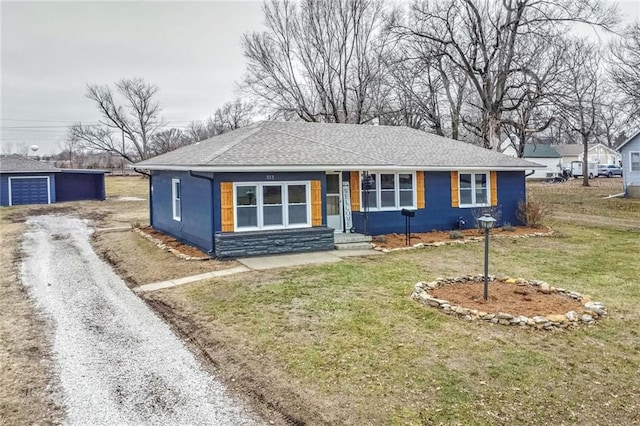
point(196, 226)
point(4, 187)
point(267, 177)
point(72, 186)
point(439, 214)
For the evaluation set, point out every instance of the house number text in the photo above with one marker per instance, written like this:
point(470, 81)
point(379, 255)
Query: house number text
point(271, 177)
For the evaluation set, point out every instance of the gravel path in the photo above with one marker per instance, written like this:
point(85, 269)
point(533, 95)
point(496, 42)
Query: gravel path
point(118, 363)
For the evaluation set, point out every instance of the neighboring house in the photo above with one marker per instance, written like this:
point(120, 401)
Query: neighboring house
point(542, 154)
point(27, 181)
point(630, 153)
point(277, 187)
point(597, 153)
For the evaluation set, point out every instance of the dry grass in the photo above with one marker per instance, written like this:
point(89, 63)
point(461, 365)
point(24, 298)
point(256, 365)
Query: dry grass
point(352, 348)
point(26, 382)
point(571, 198)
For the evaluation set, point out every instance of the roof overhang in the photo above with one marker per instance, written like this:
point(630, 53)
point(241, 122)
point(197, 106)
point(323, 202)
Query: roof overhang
point(329, 167)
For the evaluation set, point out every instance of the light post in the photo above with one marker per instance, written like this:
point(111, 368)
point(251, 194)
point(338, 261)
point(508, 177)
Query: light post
point(486, 222)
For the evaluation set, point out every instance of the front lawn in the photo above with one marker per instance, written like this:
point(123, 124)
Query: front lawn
point(344, 344)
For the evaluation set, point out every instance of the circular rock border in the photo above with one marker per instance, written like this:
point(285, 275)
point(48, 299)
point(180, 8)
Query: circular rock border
point(591, 311)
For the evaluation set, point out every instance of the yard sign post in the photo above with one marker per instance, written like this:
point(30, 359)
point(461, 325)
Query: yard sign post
point(486, 222)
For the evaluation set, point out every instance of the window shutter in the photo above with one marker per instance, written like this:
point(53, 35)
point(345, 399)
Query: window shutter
point(420, 189)
point(316, 203)
point(226, 206)
point(494, 188)
point(455, 194)
point(354, 188)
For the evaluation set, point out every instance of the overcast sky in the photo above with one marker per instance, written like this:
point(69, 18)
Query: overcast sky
point(191, 50)
point(51, 50)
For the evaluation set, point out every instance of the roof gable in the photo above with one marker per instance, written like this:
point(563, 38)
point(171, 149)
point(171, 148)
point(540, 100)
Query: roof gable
point(637, 134)
point(302, 144)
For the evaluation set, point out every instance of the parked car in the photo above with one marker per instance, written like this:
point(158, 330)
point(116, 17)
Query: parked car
point(609, 170)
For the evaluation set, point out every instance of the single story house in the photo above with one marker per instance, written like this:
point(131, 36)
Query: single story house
point(277, 187)
point(630, 153)
point(541, 154)
point(27, 181)
point(596, 153)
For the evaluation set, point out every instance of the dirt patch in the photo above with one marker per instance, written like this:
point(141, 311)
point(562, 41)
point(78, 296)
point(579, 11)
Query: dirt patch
point(506, 297)
point(139, 261)
point(390, 241)
point(170, 242)
point(224, 360)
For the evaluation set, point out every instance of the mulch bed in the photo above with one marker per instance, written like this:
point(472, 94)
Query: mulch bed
point(391, 241)
point(172, 242)
point(506, 297)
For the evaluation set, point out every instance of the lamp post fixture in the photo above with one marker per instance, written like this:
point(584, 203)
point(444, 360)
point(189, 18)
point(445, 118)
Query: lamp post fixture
point(486, 222)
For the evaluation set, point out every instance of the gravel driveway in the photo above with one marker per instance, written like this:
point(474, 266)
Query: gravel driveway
point(117, 362)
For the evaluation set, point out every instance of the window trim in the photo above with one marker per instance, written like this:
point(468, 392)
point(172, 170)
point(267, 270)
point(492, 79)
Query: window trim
point(631, 161)
point(473, 189)
point(396, 190)
point(176, 196)
point(260, 206)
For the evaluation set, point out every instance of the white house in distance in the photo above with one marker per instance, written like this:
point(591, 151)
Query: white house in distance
point(540, 153)
point(597, 153)
point(630, 153)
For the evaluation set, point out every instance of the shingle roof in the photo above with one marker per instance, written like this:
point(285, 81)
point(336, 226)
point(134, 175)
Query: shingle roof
point(289, 145)
point(17, 164)
point(539, 151)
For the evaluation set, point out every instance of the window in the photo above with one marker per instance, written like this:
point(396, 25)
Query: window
point(635, 161)
point(176, 194)
point(272, 205)
point(474, 189)
point(387, 191)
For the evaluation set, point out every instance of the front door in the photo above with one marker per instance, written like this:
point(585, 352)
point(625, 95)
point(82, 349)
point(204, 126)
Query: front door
point(334, 206)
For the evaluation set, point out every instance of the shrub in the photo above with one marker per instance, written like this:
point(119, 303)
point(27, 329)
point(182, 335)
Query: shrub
point(532, 212)
point(456, 235)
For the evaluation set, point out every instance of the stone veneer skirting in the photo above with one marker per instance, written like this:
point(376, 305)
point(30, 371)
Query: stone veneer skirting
point(591, 310)
point(261, 243)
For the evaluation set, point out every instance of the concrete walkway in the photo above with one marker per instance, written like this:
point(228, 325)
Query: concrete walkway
point(186, 280)
point(263, 263)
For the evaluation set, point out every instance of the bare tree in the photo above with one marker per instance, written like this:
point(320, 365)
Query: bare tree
point(532, 112)
point(625, 70)
point(487, 41)
point(168, 140)
point(318, 61)
point(232, 115)
point(126, 127)
point(425, 91)
point(579, 103)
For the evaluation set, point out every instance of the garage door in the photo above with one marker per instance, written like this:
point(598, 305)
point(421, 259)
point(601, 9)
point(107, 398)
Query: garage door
point(29, 190)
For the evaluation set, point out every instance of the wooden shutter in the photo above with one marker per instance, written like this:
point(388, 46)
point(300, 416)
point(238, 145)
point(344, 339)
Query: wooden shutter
point(226, 206)
point(316, 203)
point(420, 189)
point(494, 188)
point(455, 194)
point(354, 188)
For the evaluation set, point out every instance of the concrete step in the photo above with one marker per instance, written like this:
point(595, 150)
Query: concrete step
point(353, 246)
point(347, 238)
